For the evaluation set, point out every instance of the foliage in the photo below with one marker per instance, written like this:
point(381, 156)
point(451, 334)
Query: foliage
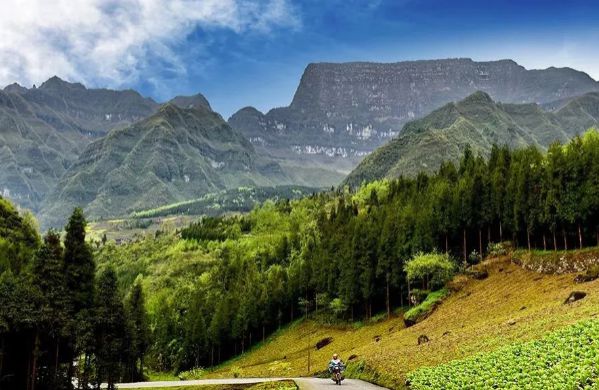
point(53, 310)
point(242, 199)
point(425, 144)
point(432, 269)
point(422, 310)
point(497, 249)
point(228, 282)
point(475, 319)
point(566, 359)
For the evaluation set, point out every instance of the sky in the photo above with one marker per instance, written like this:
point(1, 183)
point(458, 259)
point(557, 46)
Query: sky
point(253, 52)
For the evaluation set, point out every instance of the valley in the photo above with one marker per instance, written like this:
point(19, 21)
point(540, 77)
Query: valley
point(417, 231)
point(64, 145)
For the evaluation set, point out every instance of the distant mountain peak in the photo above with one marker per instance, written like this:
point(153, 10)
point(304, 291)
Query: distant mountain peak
point(56, 83)
point(477, 97)
point(15, 88)
point(197, 101)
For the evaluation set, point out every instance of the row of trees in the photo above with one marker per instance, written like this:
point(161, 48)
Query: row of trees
point(58, 319)
point(340, 253)
point(344, 252)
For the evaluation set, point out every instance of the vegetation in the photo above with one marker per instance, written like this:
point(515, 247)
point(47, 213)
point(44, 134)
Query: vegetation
point(221, 285)
point(174, 155)
point(231, 281)
point(512, 305)
point(477, 121)
point(53, 310)
point(566, 359)
point(433, 270)
point(281, 385)
point(242, 199)
point(422, 310)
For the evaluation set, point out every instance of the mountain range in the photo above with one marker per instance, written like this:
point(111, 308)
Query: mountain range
point(342, 112)
point(115, 152)
point(43, 130)
point(479, 122)
point(174, 155)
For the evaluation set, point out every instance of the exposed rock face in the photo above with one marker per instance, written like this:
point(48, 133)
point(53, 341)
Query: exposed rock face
point(344, 111)
point(479, 122)
point(42, 131)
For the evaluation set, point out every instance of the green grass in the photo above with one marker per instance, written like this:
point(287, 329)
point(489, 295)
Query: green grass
point(421, 311)
point(566, 359)
point(154, 376)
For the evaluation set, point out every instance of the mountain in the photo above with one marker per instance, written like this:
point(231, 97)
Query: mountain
point(342, 112)
point(43, 130)
point(477, 121)
point(174, 155)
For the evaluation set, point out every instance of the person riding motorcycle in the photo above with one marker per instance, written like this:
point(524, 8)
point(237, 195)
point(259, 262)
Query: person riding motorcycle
point(336, 368)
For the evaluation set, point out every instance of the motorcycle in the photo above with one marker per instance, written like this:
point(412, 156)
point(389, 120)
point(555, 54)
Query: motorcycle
point(337, 372)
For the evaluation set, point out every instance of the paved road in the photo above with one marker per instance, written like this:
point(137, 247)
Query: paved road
point(304, 383)
point(323, 384)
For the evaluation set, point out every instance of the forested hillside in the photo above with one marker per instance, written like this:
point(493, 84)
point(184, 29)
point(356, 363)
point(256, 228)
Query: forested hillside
point(240, 278)
point(222, 284)
point(478, 122)
point(55, 310)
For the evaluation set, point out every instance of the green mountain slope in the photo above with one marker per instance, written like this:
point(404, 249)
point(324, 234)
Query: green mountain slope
point(174, 155)
point(42, 131)
point(477, 121)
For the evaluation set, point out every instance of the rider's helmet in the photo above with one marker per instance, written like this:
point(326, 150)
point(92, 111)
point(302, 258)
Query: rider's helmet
point(335, 356)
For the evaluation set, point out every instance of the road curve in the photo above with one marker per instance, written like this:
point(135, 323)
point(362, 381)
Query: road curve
point(323, 384)
point(303, 383)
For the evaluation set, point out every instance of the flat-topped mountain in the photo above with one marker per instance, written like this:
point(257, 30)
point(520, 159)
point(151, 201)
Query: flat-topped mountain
point(174, 155)
point(342, 112)
point(477, 121)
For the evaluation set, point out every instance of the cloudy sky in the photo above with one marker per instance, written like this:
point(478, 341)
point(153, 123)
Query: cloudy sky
point(253, 52)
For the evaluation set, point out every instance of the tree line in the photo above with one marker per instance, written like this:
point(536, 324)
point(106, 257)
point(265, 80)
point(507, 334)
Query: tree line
point(339, 254)
point(59, 320)
point(343, 252)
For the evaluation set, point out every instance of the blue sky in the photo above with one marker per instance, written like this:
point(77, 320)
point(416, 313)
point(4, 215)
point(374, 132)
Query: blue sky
point(253, 52)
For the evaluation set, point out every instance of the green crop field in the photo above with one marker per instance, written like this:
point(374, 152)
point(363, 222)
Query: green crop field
point(565, 359)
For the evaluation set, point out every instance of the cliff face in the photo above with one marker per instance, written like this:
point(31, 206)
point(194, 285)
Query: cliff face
point(344, 111)
point(478, 122)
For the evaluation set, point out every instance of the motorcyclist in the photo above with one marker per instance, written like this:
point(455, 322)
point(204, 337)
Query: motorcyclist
point(336, 363)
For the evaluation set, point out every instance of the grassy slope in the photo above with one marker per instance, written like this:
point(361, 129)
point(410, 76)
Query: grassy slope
point(472, 320)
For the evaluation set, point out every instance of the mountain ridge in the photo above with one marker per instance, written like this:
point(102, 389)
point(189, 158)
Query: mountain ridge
point(174, 155)
point(477, 121)
point(341, 112)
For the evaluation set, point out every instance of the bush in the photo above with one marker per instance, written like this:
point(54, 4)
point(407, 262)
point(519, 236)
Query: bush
point(497, 249)
point(418, 296)
point(420, 312)
point(194, 373)
point(433, 270)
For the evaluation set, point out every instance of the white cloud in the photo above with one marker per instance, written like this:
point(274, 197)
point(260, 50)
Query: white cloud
point(109, 42)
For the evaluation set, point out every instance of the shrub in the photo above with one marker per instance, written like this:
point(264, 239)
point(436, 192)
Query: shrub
point(433, 270)
point(420, 312)
point(497, 249)
point(194, 373)
point(338, 307)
